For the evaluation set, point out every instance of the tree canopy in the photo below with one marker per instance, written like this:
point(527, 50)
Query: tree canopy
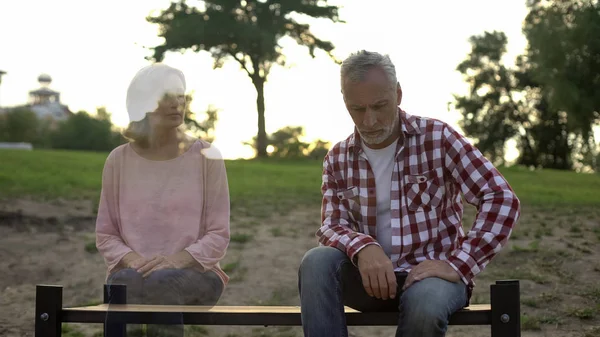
point(246, 31)
point(548, 102)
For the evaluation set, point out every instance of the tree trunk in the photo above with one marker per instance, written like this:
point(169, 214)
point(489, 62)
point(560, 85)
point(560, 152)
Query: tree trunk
point(529, 157)
point(261, 137)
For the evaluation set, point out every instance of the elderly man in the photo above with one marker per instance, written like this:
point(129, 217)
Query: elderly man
point(391, 237)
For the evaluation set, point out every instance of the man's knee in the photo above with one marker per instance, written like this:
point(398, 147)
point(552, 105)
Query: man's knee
point(321, 260)
point(319, 268)
point(427, 304)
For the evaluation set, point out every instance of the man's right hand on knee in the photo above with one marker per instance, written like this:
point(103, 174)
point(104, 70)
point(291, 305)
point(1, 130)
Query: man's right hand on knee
point(377, 272)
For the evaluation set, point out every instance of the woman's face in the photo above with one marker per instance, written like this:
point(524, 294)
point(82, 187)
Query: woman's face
point(171, 108)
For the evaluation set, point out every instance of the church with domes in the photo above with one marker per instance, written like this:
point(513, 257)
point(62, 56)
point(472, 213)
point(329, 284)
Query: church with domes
point(45, 102)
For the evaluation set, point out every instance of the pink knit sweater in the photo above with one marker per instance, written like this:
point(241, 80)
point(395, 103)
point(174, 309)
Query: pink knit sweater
point(163, 207)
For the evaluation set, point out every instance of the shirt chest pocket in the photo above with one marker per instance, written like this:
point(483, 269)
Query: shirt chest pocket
point(424, 190)
point(350, 198)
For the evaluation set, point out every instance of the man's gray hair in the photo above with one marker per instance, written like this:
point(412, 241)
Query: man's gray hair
point(355, 66)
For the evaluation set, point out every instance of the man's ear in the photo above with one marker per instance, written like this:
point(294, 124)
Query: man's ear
point(399, 93)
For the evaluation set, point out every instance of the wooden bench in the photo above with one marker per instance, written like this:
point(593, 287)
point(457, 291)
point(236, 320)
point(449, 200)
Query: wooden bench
point(502, 314)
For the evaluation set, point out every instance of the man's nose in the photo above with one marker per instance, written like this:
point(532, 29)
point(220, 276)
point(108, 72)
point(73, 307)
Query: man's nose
point(370, 119)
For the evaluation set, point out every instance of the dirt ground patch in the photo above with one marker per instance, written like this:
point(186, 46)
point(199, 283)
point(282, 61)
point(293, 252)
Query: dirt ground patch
point(555, 254)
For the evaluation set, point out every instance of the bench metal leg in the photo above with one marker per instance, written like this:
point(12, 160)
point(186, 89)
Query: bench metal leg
point(506, 309)
point(48, 310)
point(114, 294)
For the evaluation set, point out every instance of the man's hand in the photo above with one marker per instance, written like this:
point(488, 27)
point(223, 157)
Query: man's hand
point(431, 268)
point(377, 272)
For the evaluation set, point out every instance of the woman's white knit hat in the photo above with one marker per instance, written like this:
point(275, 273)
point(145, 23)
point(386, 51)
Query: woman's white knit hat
point(148, 87)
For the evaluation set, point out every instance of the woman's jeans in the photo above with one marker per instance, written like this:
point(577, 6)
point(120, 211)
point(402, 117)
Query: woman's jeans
point(167, 287)
point(328, 280)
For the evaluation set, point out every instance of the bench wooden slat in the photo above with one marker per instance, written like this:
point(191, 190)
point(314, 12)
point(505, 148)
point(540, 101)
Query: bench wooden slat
point(243, 315)
point(502, 315)
point(219, 309)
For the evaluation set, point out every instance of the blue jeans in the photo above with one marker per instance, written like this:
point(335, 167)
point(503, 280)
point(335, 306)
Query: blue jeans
point(168, 287)
point(328, 281)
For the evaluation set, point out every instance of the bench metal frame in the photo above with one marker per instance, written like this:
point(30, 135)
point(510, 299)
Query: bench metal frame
point(503, 314)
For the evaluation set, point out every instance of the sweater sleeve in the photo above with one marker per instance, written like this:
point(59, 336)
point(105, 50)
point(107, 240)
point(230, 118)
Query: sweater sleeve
point(211, 247)
point(108, 237)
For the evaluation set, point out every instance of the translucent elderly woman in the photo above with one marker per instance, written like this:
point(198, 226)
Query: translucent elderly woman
point(163, 217)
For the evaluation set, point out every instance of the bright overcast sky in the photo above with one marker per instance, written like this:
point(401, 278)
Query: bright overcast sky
point(92, 49)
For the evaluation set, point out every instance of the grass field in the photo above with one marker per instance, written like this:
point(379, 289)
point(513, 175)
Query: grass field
point(554, 250)
point(256, 187)
point(277, 184)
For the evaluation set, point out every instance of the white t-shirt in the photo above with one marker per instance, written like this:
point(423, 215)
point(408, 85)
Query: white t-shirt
point(382, 163)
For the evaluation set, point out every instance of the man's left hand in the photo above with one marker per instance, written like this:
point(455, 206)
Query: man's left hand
point(431, 268)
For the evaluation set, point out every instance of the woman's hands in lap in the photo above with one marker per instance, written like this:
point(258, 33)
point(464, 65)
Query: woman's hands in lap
point(133, 260)
point(157, 263)
point(179, 260)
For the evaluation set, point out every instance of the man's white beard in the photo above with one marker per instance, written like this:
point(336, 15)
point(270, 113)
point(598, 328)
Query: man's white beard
point(387, 132)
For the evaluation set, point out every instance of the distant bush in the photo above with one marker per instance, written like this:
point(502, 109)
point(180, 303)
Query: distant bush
point(286, 143)
point(81, 131)
point(84, 132)
point(19, 125)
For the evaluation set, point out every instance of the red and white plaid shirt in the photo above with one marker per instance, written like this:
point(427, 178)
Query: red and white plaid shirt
point(433, 165)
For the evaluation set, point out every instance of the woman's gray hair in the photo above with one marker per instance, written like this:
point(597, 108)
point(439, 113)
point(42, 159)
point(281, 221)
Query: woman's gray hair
point(147, 88)
point(145, 91)
point(355, 66)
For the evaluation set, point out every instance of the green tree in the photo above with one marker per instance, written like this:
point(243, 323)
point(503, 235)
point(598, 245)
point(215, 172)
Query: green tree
point(103, 114)
point(319, 149)
point(549, 102)
point(20, 125)
point(84, 132)
point(287, 144)
point(509, 103)
point(116, 137)
point(203, 129)
point(564, 53)
point(490, 112)
point(247, 31)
